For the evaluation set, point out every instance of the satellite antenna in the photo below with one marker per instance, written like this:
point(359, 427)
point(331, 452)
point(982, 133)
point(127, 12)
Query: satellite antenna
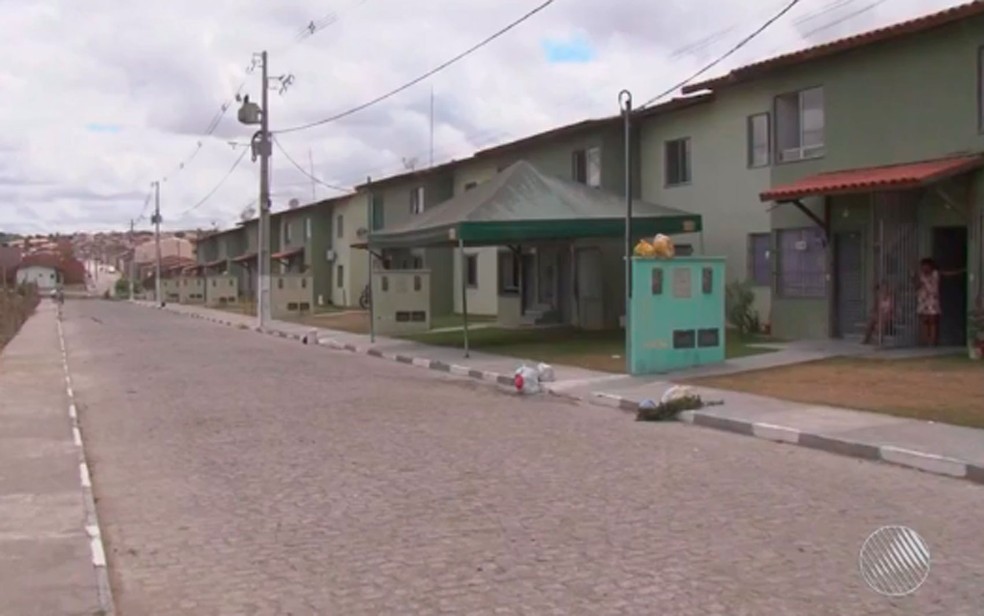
point(247, 214)
point(293, 204)
point(410, 163)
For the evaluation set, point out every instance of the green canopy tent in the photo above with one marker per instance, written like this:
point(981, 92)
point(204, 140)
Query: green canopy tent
point(522, 205)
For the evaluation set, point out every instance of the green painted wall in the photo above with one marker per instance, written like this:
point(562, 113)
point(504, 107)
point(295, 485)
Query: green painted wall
point(902, 101)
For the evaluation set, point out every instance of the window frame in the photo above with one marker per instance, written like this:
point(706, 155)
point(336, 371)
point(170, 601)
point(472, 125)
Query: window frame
point(378, 212)
point(667, 183)
point(340, 226)
point(782, 286)
point(508, 266)
point(579, 166)
point(471, 267)
point(340, 276)
point(980, 89)
point(287, 234)
point(417, 203)
point(308, 228)
point(593, 182)
point(776, 134)
point(750, 129)
point(751, 271)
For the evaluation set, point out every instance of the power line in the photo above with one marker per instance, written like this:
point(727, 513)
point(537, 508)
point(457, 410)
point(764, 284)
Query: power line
point(302, 170)
point(317, 26)
point(726, 55)
point(217, 186)
point(409, 84)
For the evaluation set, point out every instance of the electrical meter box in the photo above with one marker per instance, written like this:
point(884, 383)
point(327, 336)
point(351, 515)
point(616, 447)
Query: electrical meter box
point(676, 315)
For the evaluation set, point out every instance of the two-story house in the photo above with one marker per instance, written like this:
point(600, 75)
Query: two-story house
point(397, 200)
point(591, 152)
point(868, 150)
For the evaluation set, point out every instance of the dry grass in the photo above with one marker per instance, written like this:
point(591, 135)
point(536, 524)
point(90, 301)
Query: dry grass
point(15, 308)
point(943, 389)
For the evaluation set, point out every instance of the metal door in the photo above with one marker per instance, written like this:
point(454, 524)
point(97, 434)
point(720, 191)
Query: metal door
point(849, 284)
point(590, 296)
point(950, 254)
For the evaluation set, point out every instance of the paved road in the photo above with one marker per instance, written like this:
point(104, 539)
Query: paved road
point(243, 474)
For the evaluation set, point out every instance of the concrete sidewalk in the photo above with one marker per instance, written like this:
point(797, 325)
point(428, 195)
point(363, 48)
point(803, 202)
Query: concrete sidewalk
point(937, 448)
point(46, 558)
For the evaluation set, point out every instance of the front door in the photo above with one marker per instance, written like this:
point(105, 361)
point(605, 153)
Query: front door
point(529, 282)
point(950, 254)
point(849, 285)
point(590, 298)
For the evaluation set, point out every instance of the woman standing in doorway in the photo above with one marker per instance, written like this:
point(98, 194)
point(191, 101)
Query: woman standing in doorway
point(928, 301)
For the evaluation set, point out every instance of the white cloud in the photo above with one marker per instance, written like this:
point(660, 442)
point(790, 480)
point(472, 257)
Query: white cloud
point(100, 98)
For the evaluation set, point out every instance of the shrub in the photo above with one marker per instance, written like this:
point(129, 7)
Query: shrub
point(15, 308)
point(738, 301)
point(122, 288)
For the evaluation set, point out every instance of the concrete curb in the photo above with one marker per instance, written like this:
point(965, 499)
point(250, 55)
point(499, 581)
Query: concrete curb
point(930, 463)
point(92, 528)
point(926, 462)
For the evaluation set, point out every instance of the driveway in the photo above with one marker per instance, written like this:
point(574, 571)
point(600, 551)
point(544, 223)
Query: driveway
point(243, 474)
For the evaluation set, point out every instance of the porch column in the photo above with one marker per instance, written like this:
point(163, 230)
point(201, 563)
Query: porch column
point(464, 291)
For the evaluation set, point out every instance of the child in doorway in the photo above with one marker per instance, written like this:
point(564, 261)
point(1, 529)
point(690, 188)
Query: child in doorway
point(928, 301)
point(883, 313)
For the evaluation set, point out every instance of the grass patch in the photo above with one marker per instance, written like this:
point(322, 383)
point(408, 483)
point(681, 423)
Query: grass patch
point(595, 350)
point(946, 389)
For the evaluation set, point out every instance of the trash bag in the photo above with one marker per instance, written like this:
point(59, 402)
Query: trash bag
point(527, 380)
point(644, 249)
point(678, 392)
point(545, 373)
point(663, 247)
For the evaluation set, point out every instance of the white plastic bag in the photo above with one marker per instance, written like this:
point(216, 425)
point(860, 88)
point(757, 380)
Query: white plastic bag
point(545, 372)
point(527, 380)
point(677, 392)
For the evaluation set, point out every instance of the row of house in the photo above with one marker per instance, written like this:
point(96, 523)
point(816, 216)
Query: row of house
point(817, 174)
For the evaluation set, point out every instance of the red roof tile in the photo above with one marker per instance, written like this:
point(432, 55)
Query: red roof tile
point(248, 256)
point(897, 30)
point(893, 177)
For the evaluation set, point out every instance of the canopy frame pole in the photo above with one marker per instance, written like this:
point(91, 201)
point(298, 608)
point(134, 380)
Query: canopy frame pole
point(464, 293)
point(369, 253)
point(625, 102)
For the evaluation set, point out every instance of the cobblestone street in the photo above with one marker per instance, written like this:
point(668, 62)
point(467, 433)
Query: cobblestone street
point(237, 473)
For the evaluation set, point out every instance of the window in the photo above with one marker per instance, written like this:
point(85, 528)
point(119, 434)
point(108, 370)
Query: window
point(586, 166)
point(508, 272)
point(378, 217)
point(339, 227)
point(418, 263)
point(800, 125)
point(980, 89)
point(470, 185)
point(286, 232)
point(340, 276)
point(471, 271)
point(417, 200)
point(759, 266)
point(758, 140)
point(802, 263)
point(307, 228)
point(678, 162)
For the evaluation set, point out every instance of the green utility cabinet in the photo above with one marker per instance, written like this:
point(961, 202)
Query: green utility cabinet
point(676, 316)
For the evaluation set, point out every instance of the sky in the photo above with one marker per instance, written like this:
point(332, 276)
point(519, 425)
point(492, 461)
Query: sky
point(101, 98)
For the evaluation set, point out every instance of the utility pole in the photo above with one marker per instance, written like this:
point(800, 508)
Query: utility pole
point(157, 244)
point(133, 257)
point(251, 113)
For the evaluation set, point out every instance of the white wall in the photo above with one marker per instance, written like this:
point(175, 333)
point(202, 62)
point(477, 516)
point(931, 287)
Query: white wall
point(354, 261)
point(723, 189)
point(43, 277)
point(484, 299)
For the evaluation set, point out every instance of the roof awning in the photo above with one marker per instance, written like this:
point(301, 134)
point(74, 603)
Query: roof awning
point(215, 263)
point(245, 258)
point(874, 179)
point(290, 253)
point(521, 204)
